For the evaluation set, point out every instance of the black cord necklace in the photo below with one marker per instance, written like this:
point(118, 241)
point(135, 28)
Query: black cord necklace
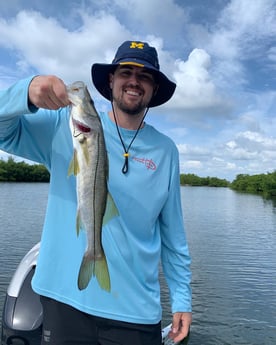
point(126, 149)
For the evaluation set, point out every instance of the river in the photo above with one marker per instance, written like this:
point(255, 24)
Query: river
point(232, 240)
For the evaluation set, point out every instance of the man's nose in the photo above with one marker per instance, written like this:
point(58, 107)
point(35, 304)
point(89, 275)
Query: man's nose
point(134, 79)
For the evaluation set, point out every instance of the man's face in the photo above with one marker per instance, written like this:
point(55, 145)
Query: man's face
point(132, 88)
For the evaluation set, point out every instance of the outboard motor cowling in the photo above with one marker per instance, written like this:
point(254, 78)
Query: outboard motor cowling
point(22, 312)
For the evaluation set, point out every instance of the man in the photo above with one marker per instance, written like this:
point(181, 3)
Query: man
point(144, 183)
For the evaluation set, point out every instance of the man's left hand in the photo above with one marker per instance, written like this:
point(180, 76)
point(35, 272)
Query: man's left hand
point(180, 326)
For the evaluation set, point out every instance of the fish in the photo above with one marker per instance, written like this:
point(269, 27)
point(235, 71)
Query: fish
point(89, 164)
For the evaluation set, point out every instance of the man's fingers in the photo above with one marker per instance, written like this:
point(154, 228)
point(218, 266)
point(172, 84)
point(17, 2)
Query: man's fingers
point(180, 326)
point(48, 92)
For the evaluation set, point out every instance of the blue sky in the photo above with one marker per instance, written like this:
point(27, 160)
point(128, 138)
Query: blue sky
point(221, 54)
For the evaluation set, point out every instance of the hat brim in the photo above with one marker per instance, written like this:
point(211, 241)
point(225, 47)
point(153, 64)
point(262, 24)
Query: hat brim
point(100, 77)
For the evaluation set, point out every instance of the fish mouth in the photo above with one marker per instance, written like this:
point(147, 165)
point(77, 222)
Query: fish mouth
point(80, 126)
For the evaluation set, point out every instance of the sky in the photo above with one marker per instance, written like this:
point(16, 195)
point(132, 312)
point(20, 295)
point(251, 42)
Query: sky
point(220, 53)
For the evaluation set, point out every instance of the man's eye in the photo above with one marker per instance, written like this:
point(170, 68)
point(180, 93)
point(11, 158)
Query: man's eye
point(146, 77)
point(125, 73)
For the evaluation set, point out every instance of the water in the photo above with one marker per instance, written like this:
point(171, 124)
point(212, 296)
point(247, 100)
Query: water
point(22, 208)
point(232, 240)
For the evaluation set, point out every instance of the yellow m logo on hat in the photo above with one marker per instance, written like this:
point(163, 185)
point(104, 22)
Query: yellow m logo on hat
point(138, 45)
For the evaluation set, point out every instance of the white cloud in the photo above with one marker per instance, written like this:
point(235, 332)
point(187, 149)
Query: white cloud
point(48, 47)
point(231, 144)
point(253, 152)
point(151, 17)
point(243, 32)
point(192, 150)
point(44, 45)
point(195, 86)
point(193, 164)
point(243, 23)
point(190, 166)
point(219, 118)
point(255, 141)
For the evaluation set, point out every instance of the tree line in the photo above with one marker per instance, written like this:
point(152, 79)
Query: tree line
point(265, 184)
point(194, 180)
point(12, 171)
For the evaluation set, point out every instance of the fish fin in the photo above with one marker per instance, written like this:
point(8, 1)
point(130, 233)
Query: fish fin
point(79, 225)
point(74, 167)
point(102, 274)
point(111, 210)
point(71, 168)
point(86, 271)
point(90, 267)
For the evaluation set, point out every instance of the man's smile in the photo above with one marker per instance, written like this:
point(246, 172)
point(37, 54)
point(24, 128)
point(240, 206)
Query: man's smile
point(132, 92)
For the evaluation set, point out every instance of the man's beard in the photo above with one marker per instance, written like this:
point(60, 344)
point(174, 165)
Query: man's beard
point(130, 110)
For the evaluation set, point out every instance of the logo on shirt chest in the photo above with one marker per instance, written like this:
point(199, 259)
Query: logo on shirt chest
point(148, 163)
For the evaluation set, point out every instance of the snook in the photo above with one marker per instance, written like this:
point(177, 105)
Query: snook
point(90, 166)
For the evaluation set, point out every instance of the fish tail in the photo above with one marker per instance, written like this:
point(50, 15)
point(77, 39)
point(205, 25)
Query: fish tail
point(102, 274)
point(91, 267)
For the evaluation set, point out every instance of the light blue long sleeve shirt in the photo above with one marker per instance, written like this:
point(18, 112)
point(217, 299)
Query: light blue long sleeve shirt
point(149, 227)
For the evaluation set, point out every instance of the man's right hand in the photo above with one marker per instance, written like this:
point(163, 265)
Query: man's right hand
point(48, 92)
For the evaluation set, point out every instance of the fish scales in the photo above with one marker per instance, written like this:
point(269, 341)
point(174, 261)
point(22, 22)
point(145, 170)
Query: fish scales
point(90, 166)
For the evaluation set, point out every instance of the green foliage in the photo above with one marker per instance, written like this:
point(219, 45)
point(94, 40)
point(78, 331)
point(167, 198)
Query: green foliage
point(11, 171)
point(264, 184)
point(194, 180)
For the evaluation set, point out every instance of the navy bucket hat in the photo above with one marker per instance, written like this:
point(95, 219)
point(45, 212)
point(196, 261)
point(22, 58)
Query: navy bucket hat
point(138, 54)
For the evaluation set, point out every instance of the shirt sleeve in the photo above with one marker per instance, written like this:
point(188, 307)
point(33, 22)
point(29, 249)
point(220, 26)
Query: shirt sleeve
point(175, 254)
point(25, 130)
point(14, 100)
